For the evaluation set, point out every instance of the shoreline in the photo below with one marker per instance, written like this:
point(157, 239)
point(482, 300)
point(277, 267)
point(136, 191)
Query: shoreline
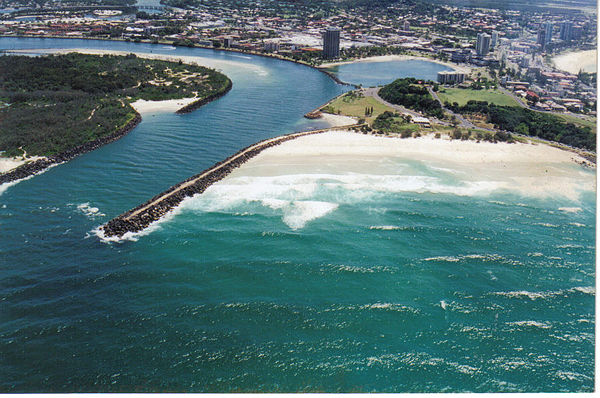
point(25, 169)
point(8, 164)
point(397, 57)
point(38, 166)
point(142, 216)
point(233, 50)
point(309, 144)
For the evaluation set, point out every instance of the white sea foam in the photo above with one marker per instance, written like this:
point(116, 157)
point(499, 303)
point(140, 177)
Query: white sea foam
point(449, 259)
point(298, 213)
point(385, 227)
point(584, 289)
point(547, 294)
point(570, 209)
point(547, 225)
point(525, 293)
point(576, 224)
point(389, 307)
point(89, 211)
point(6, 185)
point(302, 198)
point(536, 324)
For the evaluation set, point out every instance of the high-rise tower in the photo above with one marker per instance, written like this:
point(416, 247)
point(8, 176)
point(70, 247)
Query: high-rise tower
point(331, 43)
point(566, 31)
point(483, 44)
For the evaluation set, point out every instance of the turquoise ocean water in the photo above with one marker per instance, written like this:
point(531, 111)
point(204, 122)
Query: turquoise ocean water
point(362, 288)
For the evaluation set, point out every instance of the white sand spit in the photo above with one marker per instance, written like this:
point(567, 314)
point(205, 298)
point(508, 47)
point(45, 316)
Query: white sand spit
point(7, 164)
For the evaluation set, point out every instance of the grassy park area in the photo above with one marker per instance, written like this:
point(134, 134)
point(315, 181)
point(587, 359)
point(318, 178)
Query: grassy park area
point(586, 121)
point(463, 95)
point(354, 104)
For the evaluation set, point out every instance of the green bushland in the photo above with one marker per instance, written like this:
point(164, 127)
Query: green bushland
point(527, 122)
point(463, 95)
point(61, 101)
point(409, 92)
point(390, 122)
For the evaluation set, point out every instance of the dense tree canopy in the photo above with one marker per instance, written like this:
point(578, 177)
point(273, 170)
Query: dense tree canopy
point(54, 103)
point(528, 122)
point(410, 93)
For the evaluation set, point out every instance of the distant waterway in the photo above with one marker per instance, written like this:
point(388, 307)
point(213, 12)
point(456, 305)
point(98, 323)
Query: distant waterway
point(409, 281)
point(576, 61)
point(380, 73)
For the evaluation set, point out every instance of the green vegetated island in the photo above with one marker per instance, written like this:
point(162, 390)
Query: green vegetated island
point(59, 106)
point(494, 115)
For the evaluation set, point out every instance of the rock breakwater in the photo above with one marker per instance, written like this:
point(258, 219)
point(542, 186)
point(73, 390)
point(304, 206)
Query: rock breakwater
point(141, 217)
point(197, 104)
point(40, 165)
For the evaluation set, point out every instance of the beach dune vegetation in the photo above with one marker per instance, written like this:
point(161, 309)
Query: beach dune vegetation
point(527, 122)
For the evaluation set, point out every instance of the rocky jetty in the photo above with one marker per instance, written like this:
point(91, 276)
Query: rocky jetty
point(197, 104)
point(29, 169)
point(141, 217)
point(314, 115)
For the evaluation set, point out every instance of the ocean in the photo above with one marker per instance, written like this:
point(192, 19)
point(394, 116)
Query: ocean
point(330, 282)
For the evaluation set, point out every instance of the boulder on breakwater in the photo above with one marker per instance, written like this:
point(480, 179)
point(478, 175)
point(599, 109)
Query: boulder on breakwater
point(31, 168)
point(142, 216)
point(197, 104)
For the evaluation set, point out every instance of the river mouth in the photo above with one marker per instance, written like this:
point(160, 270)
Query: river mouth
point(397, 292)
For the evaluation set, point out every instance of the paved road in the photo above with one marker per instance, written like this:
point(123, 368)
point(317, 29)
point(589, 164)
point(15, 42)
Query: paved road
point(373, 92)
point(524, 105)
point(463, 122)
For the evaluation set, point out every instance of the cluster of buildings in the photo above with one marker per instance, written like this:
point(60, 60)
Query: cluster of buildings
point(509, 42)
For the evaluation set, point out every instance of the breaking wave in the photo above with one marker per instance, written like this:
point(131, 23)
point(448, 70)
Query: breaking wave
point(301, 198)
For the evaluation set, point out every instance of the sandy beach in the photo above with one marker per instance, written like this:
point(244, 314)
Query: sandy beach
point(145, 107)
point(538, 170)
point(337, 120)
point(388, 58)
point(573, 62)
point(7, 164)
